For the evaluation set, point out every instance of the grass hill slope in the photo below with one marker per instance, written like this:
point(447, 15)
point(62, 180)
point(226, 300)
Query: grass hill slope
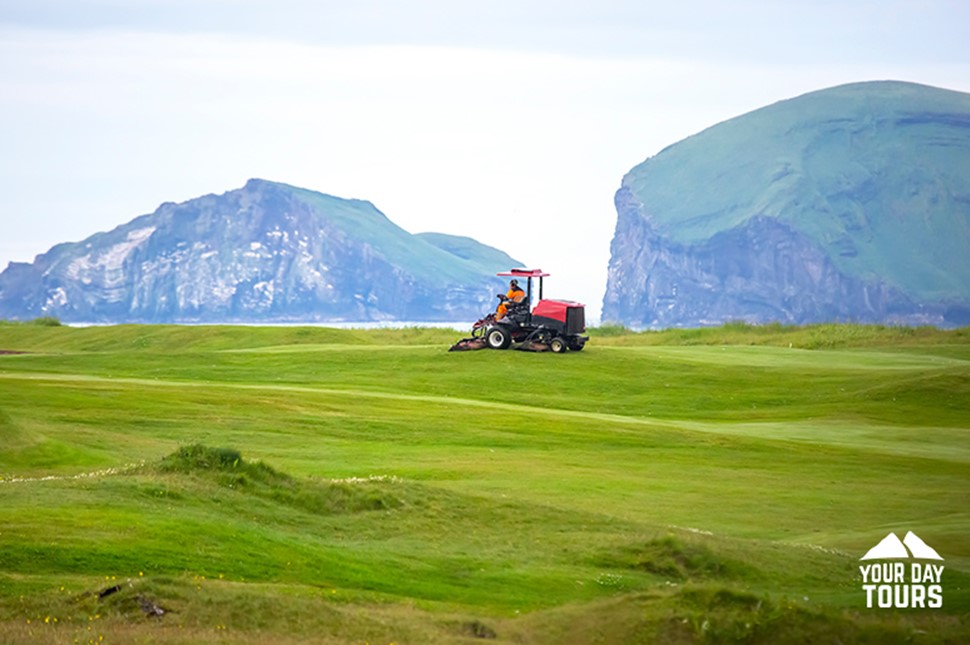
point(174, 484)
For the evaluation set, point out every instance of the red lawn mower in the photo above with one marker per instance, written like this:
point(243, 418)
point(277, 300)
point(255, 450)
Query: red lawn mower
point(554, 325)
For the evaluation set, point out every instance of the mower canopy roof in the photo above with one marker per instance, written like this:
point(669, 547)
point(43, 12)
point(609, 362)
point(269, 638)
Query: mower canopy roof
point(523, 273)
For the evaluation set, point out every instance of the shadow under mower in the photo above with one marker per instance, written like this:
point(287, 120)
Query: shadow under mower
point(553, 326)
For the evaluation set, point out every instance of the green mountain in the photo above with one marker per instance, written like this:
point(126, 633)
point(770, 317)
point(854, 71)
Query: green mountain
point(267, 252)
point(847, 203)
point(483, 258)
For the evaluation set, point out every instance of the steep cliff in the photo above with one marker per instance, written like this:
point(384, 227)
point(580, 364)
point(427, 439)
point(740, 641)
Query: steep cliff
point(851, 203)
point(267, 252)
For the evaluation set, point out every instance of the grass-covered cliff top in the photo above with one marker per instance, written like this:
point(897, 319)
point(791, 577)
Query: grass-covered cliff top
point(875, 173)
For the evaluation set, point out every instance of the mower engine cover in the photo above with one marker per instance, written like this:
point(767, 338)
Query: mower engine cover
point(564, 315)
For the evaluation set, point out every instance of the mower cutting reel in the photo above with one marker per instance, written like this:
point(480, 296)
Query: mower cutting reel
point(477, 340)
point(553, 325)
point(468, 344)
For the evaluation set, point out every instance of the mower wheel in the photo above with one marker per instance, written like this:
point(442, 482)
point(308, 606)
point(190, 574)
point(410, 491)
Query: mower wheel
point(577, 346)
point(498, 338)
point(558, 345)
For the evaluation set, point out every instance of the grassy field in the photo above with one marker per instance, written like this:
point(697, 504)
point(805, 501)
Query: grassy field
point(294, 485)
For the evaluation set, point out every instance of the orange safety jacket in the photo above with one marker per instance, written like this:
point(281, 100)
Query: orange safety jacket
point(514, 295)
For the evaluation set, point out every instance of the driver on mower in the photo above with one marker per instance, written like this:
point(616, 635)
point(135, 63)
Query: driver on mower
point(515, 295)
point(554, 325)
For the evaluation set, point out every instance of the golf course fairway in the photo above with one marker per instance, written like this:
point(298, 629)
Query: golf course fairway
point(178, 484)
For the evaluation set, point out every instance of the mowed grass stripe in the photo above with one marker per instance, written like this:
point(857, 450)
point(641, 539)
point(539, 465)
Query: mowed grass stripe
point(948, 444)
point(795, 358)
point(657, 475)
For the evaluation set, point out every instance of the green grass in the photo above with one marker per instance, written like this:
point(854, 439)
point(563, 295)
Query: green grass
point(322, 485)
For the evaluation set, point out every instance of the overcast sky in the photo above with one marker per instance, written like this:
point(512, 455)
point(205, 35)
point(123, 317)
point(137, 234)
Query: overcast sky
point(509, 121)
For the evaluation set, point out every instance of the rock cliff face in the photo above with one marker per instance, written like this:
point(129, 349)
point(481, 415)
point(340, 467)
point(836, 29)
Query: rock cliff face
point(849, 204)
point(265, 253)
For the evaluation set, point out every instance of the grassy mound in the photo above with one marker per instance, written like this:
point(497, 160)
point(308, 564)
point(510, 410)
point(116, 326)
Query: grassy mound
point(227, 468)
point(199, 458)
point(674, 558)
point(713, 613)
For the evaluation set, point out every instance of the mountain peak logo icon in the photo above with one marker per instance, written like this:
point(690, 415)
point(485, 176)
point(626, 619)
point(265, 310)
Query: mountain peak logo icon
point(899, 579)
point(891, 547)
